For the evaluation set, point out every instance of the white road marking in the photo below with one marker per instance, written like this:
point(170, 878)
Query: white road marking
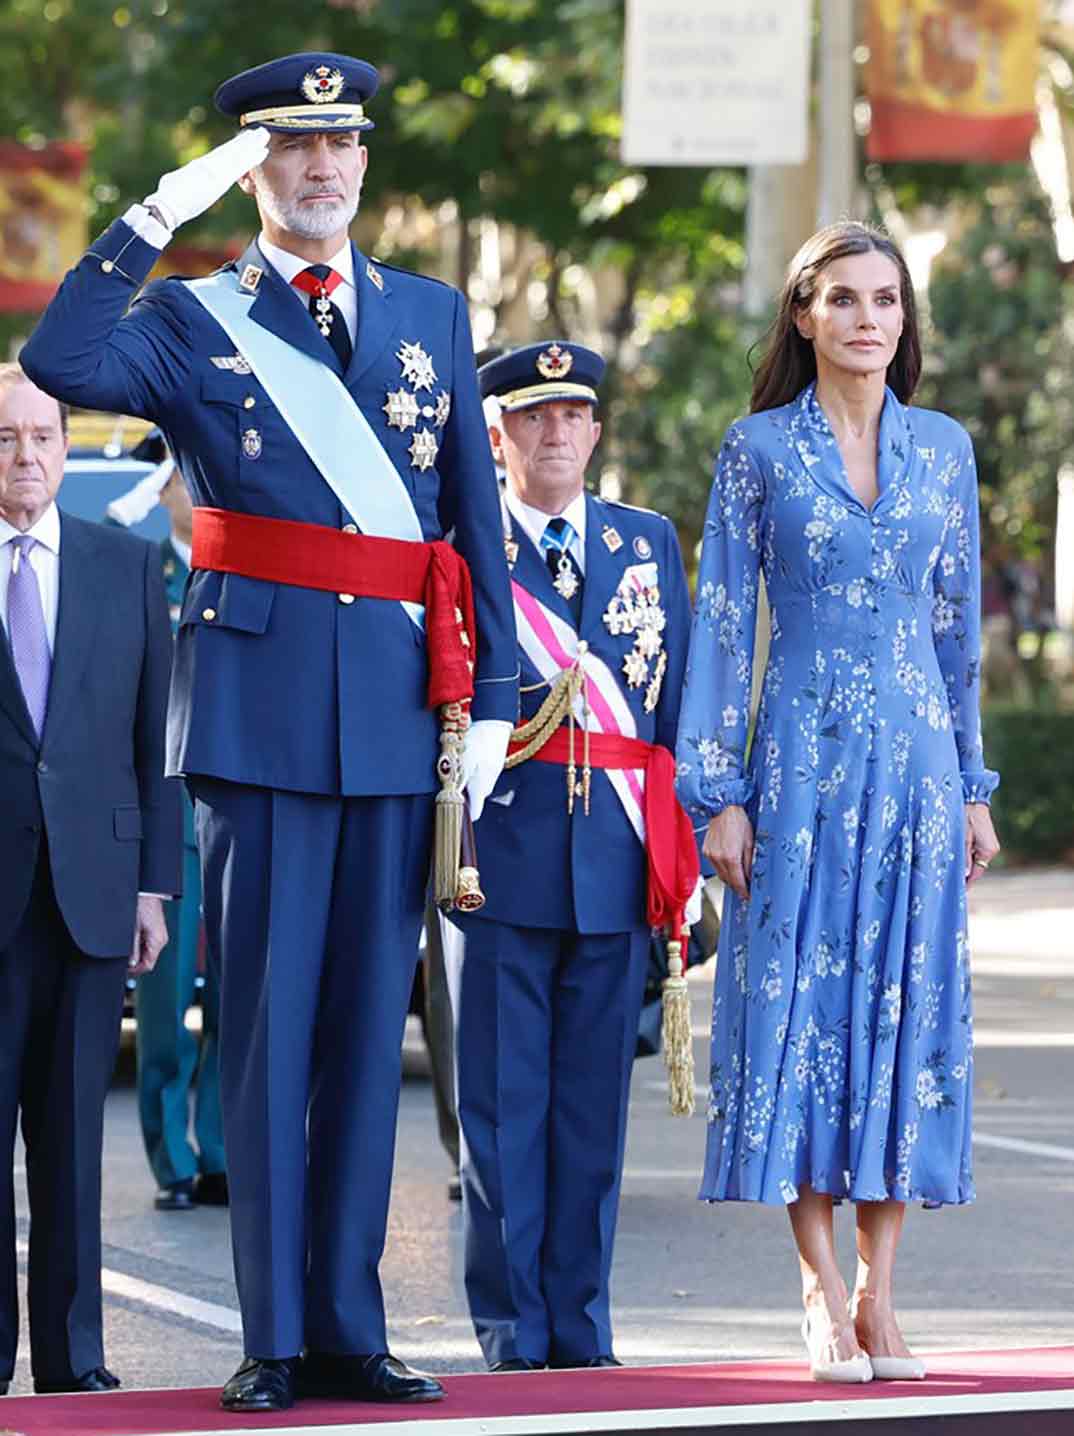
point(1030, 1149)
point(163, 1298)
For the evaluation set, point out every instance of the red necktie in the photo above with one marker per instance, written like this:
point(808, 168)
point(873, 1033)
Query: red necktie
point(319, 281)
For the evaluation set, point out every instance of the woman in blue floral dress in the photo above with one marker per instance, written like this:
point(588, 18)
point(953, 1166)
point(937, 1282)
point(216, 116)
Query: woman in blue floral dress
point(841, 1036)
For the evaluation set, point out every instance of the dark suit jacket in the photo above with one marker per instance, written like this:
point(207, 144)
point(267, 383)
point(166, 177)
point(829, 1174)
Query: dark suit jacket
point(95, 782)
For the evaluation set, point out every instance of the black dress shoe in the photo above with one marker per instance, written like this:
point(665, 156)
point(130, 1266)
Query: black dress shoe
point(587, 1363)
point(518, 1363)
point(3, 1388)
point(210, 1189)
point(379, 1377)
point(261, 1385)
point(179, 1197)
point(454, 1190)
point(99, 1379)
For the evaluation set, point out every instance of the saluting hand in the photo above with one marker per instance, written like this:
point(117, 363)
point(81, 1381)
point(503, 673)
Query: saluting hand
point(181, 194)
point(150, 935)
point(728, 846)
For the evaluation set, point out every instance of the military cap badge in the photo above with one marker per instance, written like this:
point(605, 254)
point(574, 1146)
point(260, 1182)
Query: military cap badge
point(554, 363)
point(322, 85)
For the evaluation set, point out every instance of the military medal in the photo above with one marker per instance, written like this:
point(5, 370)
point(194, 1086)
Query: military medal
point(642, 547)
point(566, 580)
point(251, 444)
point(401, 409)
point(417, 366)
point(423, 450)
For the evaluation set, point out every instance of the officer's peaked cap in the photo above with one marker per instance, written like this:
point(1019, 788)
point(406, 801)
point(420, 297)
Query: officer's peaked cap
point(317, 90)
point(542, 374)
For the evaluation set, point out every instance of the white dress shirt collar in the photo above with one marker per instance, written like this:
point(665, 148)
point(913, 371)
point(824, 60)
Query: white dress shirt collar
point(288, 264)
point(183, 550)
point(46, 530)
point(534, 521)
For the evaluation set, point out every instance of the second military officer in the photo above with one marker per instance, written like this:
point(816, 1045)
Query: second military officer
point(555, 962)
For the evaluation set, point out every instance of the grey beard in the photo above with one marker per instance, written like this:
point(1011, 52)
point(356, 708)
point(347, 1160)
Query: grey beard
point(317, 223)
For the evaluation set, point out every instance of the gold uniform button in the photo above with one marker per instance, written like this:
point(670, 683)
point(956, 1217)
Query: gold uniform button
point(208, 614)
point(107, 266)
point(346, 598)
point(350, 528)
point(249, 402)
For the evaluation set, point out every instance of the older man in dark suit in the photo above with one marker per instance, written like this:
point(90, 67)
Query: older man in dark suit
point(89, 843)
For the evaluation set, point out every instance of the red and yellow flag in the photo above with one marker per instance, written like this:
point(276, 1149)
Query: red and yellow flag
point(952, 79)
point(42, 220)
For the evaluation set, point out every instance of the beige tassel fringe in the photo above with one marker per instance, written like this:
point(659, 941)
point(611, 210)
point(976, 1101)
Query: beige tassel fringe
point(678, 1039)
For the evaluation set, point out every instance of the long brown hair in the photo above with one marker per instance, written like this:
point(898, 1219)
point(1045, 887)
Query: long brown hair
point(789, 362)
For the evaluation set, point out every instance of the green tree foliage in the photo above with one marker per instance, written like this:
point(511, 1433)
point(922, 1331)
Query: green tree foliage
point(1001, 361)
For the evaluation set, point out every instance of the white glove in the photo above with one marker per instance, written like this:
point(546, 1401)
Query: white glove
point(483, 752)
point(181, 194)
point(693, 904)
point(131, 508)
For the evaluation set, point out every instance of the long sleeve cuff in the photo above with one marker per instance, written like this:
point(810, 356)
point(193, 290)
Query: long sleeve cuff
point(978, 786)
point(146, 226)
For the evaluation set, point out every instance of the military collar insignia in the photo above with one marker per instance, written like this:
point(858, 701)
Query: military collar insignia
point(554, 363)
point(417, 366)
point(612, 540)
point(510, 548)
point(322, 85)
point(375, 277)
point(250, 278)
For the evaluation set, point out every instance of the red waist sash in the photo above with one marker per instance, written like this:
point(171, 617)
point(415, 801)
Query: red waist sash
point(314, 556)
point(669, 838)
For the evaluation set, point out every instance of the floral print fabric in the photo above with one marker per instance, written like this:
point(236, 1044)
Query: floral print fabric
point(842, 1028)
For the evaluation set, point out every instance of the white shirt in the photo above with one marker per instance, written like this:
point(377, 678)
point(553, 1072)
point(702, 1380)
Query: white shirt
point(345, 295)
point(184, 550)
point(45, 561)
point(534, 522)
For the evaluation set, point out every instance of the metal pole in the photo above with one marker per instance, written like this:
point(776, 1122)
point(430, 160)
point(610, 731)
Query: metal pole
point(836, 141)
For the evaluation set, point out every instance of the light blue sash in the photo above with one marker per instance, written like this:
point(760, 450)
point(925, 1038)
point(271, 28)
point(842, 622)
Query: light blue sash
point(323, 417)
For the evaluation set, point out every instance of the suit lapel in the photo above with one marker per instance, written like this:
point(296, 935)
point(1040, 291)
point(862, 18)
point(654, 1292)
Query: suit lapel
point(11, 699)
point(377, 317)
point(603, 569)
point(277, 309)
point(82, 598)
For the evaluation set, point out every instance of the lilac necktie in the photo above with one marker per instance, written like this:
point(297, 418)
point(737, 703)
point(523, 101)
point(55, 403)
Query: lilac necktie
point(26, 630)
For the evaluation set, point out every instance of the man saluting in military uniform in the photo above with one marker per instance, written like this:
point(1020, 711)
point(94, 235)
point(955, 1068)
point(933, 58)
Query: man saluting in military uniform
point(579, 827)
point(325, 413)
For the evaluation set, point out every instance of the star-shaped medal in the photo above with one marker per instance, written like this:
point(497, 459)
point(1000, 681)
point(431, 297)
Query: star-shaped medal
point(636, 668)
point(566, 580)
point(417, 366)
point(401, 409)
point(423, 450)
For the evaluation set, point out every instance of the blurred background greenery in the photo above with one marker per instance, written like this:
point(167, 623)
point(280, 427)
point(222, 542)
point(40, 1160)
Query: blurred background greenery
point(495, 163)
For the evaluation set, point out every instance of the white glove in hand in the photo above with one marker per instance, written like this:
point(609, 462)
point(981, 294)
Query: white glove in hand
point(182, 194)
point(693, 904)
point(483, 752)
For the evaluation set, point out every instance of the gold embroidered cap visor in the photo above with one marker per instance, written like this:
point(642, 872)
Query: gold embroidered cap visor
point(545, 394)
point(315, 90)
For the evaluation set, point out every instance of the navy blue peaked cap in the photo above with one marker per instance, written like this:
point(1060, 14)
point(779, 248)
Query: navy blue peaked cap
point(541, 374)
point(317, 90)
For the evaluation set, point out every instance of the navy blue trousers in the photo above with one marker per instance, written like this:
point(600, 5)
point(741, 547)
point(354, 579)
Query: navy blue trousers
point(61, 1023)
point(547, 1026)
point(313, 907)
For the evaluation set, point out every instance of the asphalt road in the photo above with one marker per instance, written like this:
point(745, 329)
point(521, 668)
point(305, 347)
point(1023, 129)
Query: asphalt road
point(691, 1282)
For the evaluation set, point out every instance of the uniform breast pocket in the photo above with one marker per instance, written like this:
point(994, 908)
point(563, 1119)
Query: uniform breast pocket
point(242, 415)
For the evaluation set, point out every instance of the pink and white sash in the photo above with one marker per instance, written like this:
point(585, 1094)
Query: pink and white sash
point(553, 647)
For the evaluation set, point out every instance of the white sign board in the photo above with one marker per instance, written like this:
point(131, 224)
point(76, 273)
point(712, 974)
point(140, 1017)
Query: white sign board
point(716, 82)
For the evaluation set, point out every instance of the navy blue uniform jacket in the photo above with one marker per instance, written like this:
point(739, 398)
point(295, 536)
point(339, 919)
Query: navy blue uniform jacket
point(274, 685)
point(541, 867)
point(94, 783)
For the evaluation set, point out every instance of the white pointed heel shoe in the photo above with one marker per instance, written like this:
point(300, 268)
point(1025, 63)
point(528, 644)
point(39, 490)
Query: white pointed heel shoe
point(898, 1368)
point(854, 1370)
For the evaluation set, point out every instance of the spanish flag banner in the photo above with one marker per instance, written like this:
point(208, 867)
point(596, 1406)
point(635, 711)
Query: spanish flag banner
point(952, 79)
point(42, 221)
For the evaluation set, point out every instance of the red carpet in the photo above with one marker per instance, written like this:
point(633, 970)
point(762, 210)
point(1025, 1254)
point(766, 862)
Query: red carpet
point(1002, 1385)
